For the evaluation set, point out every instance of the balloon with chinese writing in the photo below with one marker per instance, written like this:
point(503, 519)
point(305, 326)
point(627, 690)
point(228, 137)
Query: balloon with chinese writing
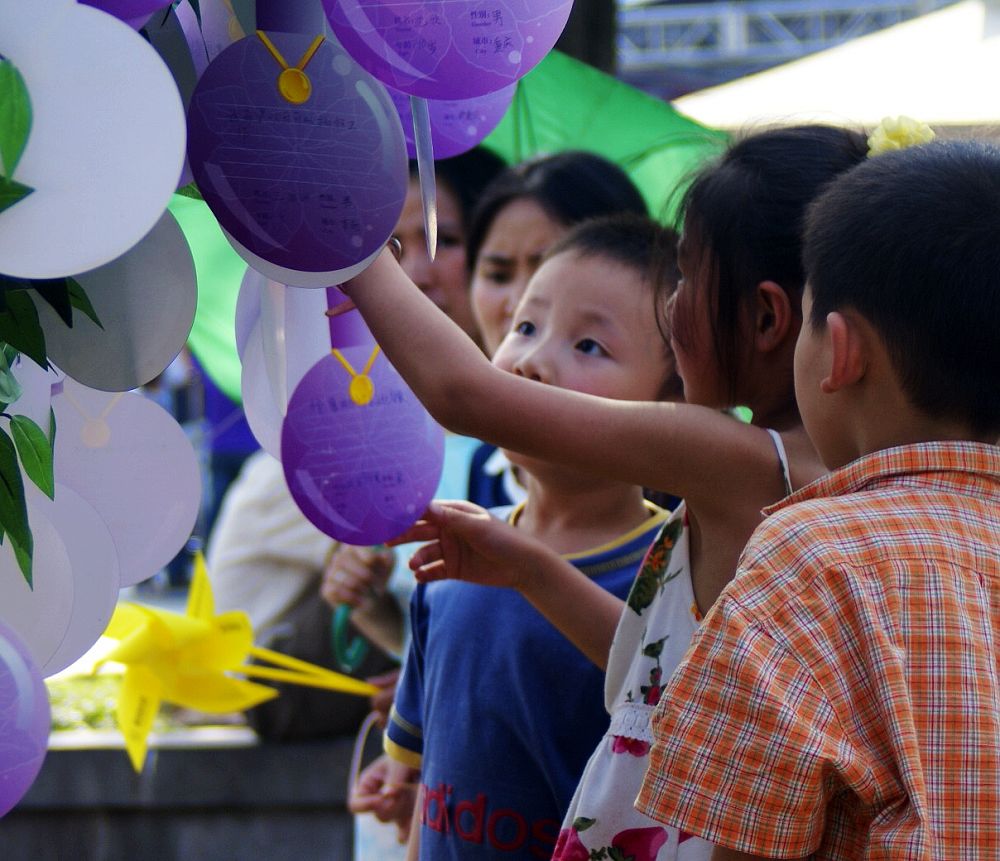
point(457, 125)
point(25, 718)
point(457, 49)
point(362, 457)
point(136, 11)
point(299, 154)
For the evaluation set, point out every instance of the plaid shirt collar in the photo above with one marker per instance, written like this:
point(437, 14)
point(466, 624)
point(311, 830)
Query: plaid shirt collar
point(972, 458)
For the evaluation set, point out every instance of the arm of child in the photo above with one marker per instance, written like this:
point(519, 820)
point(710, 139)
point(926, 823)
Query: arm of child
point(467, 543)
point(388, 789)
point(690, 451)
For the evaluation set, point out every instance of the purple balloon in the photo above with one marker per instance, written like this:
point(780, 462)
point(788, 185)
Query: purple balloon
point(130, 11)
point(448, 49)
point(304, 168)
point(361, 472)
point(24, 719)
point(456, 126)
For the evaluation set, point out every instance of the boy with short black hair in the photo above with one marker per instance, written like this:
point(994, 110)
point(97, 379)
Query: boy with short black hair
point(842, 698)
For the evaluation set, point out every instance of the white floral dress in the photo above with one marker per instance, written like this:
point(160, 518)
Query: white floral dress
point(653, 634)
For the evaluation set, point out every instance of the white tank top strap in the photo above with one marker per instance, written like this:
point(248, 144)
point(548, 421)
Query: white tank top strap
point(782, 459)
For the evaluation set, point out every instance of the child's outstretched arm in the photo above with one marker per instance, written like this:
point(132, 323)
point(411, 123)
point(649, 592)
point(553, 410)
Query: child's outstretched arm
point(467, 543)
point(689, 451)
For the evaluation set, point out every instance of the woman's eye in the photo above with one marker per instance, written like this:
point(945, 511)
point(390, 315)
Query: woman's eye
point(447, 241)
point(525, 327)
point(590, 347)
point(496, 276)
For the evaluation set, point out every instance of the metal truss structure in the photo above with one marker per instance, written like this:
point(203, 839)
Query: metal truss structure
point(765, 32)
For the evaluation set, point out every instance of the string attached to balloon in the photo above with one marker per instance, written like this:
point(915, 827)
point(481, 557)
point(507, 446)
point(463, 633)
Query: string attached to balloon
point(425, 170)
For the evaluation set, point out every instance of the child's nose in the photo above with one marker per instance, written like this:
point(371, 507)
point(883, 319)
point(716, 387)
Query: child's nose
point(535, 365)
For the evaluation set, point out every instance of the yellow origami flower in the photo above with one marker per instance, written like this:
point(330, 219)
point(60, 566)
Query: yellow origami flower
point(184, 659)
point(898, 133)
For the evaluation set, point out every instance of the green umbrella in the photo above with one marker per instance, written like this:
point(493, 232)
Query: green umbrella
point(565, 104)
point(219, 270)
point(561, 104)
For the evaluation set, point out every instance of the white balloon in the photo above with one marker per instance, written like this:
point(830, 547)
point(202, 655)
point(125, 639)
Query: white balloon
point(93, 559)
point(107, 139)
point(40, 615)
point(248, 308)
point(260, 402)
point(130, 460)
point(145, 300)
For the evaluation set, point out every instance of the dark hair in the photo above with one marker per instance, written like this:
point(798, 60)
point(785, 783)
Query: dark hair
point(911, 241)
point(642, 245)
point(569, 186)
point(466, 176)
point(743, 217)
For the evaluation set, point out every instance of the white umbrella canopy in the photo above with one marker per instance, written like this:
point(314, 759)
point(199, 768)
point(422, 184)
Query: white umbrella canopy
point(940, 68)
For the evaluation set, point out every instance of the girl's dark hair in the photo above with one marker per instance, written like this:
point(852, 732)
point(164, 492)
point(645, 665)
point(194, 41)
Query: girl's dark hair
point(569, 186)
point(466, 176)
point(743, 219)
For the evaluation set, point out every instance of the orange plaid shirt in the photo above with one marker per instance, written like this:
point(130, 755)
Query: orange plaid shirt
point(842, 697)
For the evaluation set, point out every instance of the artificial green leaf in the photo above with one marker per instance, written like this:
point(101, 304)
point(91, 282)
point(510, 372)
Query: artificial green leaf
point(35, 451)
point(13, 509)
point(12, 192)
point(15, 117)
point(78, 299)
point(52, 428)
point(190, 190)
point(20, 328)
point(10, 388)
point(56, 293)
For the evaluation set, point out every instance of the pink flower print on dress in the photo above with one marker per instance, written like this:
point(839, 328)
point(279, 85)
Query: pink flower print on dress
point(638, 844)
point(569, 847)
point(633, 746)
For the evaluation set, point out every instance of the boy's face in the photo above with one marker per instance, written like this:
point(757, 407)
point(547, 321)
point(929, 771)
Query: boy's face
point(588, 324)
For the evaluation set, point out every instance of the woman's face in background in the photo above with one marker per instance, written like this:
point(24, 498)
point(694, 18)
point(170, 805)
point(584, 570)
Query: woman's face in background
point(512, 250)
point(445, 279)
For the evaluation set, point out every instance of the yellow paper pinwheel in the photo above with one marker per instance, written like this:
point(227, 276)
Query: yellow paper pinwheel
point(186, 660)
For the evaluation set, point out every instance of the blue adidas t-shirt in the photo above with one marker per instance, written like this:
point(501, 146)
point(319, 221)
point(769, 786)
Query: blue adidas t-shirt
point(500, 711)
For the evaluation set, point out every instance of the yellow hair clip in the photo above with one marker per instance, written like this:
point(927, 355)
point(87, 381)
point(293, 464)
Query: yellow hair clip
point(898, 133)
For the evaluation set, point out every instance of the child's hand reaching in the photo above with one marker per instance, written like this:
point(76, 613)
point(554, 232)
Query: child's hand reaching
point(467, 543)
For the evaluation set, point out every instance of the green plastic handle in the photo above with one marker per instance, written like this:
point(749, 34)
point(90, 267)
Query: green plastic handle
point(349, 655)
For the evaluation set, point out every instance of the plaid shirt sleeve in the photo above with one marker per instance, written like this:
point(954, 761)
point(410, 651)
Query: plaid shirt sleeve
point(746, 745)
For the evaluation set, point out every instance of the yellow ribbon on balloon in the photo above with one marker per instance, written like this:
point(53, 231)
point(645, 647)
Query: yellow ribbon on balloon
point(186, 659)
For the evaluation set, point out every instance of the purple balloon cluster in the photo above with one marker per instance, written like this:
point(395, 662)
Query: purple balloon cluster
point(24, 719)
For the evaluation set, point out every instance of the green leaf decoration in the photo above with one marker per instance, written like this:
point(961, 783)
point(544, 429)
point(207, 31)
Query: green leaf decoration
point(56, 293)
point(78, 299)
point(582, 823)
point(12, 192)
point(190, 190)
point(15, 117)
point(20, 328)
point(10, 388)
point(35, 451)
point(13, 510)
point(52, 428)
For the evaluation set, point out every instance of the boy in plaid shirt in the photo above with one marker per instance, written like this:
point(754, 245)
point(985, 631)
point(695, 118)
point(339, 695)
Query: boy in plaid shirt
point(842, 698)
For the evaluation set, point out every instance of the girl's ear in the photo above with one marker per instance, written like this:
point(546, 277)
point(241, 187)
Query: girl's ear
point(848, 360)
point(774, 317)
